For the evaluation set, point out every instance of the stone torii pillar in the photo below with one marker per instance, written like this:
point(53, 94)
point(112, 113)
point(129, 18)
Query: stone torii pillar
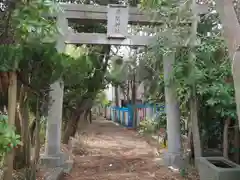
point(173, 156)
point(53, 157)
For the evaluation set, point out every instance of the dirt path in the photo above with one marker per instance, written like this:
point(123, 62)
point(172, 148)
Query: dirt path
point(114, 153)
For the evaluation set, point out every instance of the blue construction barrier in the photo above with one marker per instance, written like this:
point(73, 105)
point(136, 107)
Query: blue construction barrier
point(124, 115)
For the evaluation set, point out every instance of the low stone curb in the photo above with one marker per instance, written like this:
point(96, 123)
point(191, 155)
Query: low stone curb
point(67, 167)
point(54, 174)
point(58, 173)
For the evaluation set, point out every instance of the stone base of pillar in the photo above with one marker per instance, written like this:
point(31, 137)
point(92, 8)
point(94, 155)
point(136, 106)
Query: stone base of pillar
point(52, 161)
point(176, 160)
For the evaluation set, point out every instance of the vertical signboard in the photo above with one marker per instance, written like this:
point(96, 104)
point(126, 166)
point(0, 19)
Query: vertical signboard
point(117, 21)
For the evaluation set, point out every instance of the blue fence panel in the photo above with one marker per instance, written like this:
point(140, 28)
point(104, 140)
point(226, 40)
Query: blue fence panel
point(111, 113)
point(124, 115)
point(117, 118)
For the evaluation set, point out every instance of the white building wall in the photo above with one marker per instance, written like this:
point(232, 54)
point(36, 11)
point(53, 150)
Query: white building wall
point(111, 95)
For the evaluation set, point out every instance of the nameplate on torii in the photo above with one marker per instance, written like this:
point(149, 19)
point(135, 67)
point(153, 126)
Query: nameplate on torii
point(117, 21)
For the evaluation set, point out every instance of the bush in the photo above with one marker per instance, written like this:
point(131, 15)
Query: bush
point(8, 138)
point(153, 125)
point(147, 126)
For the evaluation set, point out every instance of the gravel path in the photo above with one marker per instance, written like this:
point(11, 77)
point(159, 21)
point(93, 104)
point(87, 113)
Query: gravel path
point(109, 152)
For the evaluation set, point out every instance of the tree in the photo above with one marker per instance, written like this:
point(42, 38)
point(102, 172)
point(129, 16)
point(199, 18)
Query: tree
point(230, 22)
point(211, 72)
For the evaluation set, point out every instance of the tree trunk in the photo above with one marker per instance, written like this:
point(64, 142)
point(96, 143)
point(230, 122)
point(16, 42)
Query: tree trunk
point(26, 132)
point(72, 123)
point(116, 101)
point(116, 96)
point(37, 135)
point(231, 29)
point(191, 146)
point(193, 96)
point(128, 90)
point(82, 122)
point(195, 128)
point(22, 155)
point(134, 108)
point(31, 172)
point(18, 162)
point(225, 138)
point(236, 143)
point(70, 129)
point(12, 103)
point(88, 116)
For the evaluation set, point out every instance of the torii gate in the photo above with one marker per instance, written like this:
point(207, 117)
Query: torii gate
point(117, 17)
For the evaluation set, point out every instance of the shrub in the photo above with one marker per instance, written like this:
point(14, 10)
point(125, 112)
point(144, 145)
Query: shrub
point(8, 138)
point(147, 126)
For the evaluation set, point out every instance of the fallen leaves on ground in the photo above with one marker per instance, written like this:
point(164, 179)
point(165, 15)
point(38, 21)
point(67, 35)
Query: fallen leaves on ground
point(114, 153)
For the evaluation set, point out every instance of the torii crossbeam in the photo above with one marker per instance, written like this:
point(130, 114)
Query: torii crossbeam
point(117, 18)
